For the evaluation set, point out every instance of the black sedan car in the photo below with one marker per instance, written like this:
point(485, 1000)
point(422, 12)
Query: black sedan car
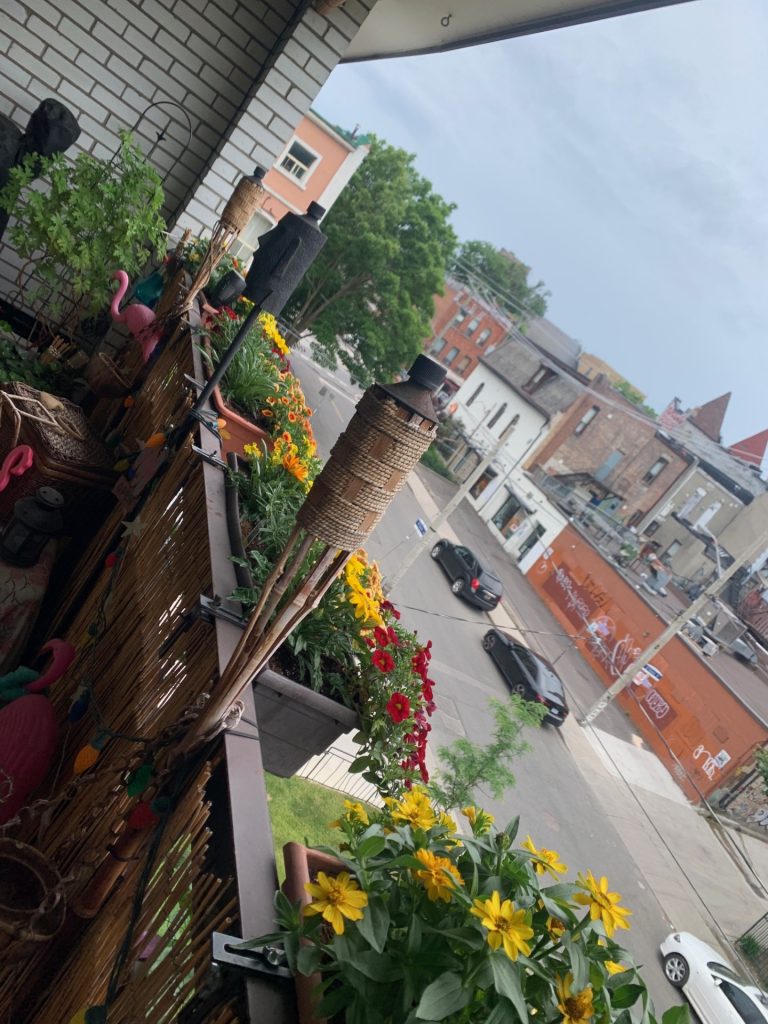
point(528, 674)
point(469, 579)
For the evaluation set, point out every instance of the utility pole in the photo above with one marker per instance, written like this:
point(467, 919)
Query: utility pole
point(629, 674)
point(452, 505)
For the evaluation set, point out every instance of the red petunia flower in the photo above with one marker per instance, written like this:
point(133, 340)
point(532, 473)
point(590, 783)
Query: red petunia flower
point(383, 661)
point(398, 707)
point(424, 774)
point(381, 636)
point(387, 606)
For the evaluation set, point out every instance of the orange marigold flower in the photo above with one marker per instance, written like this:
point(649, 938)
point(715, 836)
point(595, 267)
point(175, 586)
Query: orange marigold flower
point(284, 400)
point(292, 417)
point(267, 412)
point(286, 437)
point(295, 467)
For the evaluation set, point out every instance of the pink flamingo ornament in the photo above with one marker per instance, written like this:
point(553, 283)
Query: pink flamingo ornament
point(138, 319)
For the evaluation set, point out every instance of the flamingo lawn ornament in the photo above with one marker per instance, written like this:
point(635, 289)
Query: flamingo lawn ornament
point(138, 319)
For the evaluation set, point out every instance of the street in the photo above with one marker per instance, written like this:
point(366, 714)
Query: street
point(554, 801)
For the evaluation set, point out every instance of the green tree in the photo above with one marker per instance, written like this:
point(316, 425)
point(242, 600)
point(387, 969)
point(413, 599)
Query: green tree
point(626, 390)
point(389, 243)
point(466, 767)
point(502, 272)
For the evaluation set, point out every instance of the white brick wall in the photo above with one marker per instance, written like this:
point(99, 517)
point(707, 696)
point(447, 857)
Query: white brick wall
point(243, 76)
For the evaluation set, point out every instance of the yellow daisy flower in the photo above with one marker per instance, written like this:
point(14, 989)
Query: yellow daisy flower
point(506, 926)
point(438, 875)
point(336, 897)
point(546, 860)
point(576, 1007)
point(603, 905)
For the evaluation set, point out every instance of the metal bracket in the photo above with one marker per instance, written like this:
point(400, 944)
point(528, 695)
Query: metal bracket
point(193, 381)
point(267, 960)
point(209, 458)
point(211, 608)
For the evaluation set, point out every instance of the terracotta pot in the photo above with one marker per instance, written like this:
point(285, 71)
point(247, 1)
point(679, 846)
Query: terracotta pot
point(238, 430)
point(302, 866)
point(32, 909)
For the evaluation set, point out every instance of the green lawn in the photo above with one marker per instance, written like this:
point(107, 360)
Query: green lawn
point(300, 812)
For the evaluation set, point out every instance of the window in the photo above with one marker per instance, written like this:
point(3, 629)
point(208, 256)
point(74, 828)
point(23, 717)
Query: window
point(673, 548)
point(660, 464)
point(742, 1003)
point(604, 471)
point(452, 353)
point(479, 485)
point(652, 527)
point(438, 345)
point(247, 243)
point(472, 326)
point(542, 375)
point(462, 365)
point(475, 394)
point(483, 336)
point(460, 317)
point(298, 160)
point(586, 419)
point(496, 416)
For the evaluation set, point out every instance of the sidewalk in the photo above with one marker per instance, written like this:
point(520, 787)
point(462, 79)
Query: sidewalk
point(705, 877)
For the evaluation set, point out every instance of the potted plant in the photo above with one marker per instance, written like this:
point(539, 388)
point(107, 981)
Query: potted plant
point(258, 392)
point(93, 217)
point(411, 922)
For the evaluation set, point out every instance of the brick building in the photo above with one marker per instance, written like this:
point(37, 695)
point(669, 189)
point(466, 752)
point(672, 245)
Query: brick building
point(465, 327)
point(611, 455)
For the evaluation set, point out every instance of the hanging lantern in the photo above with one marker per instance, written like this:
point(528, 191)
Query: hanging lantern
point(32, 904)
point(36, 519)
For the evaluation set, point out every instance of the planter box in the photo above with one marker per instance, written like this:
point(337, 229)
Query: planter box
point(295, 723)
point(302, 866)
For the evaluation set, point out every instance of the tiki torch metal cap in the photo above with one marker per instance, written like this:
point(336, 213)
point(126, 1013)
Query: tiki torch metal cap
point(424, 378)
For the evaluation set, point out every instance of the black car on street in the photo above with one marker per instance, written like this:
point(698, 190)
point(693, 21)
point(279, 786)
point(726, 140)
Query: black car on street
point(469, 578)
point(528, 674)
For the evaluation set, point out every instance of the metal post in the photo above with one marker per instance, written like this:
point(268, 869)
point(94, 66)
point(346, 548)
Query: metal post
point(452, 505)
point(674, 626)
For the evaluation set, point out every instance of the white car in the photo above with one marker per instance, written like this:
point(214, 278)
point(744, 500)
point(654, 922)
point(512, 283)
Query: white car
point(713, 987)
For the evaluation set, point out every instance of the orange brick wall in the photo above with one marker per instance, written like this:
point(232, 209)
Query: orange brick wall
point(689, 715)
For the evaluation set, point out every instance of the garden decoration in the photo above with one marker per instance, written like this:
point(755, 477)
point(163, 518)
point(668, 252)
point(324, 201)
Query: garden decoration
point(36, 519)
point(51, 129)
point(235, 217)
point(32, 900)
point(28, 728)
point(140, 320)
point(413, 921)
point(284, 255)
point(392, 427)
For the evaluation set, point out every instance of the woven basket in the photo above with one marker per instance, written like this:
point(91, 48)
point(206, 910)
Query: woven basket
point(32, 909)
point(368, 465)
point(242, 205)
point(68, 456)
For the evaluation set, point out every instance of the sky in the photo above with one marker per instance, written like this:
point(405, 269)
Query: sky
point(626, 162)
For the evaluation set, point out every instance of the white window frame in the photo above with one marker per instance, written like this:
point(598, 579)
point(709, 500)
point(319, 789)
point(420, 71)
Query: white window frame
point(483, 336)
point(300, 182)
point(241, 249)
point(589, 416)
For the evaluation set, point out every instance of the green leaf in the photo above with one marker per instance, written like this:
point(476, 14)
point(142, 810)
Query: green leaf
point(371, 847)
point(335, 1001)
point(446, 995)
point(374, 925)
point(512, 828)
point(359, 765)
point(579, 962)
point(376, 966)
point(506, 981)
point(503, 1013)
point(308, 960)
point(676, 1015)
point(626, 996)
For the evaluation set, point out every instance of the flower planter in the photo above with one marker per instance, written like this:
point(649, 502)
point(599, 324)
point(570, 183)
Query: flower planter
point(238, 431)
point(302, 866)
point(295, 722)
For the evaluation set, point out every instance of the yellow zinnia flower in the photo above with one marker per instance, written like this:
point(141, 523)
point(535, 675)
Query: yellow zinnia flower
point(336, 897)
point(439, 875)
point(613, 968)
point(480, 820)
point(555, 927)
point(506, 926)
point(353, 812)
point(546, 860)
point(576, 1007)
point(413, 809)
point(253, 451)
point(603, 905)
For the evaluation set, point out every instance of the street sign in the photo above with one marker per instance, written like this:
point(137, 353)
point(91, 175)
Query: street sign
point(422, 528)
point(653, 672)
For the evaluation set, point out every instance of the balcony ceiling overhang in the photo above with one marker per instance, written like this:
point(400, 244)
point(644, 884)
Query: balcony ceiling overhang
point(401, 28)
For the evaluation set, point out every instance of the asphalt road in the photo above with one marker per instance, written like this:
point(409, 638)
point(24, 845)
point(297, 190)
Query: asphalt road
point(552, 797)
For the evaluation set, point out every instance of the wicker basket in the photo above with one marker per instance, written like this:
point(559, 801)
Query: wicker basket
point(68, 456)
point(32, 909)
